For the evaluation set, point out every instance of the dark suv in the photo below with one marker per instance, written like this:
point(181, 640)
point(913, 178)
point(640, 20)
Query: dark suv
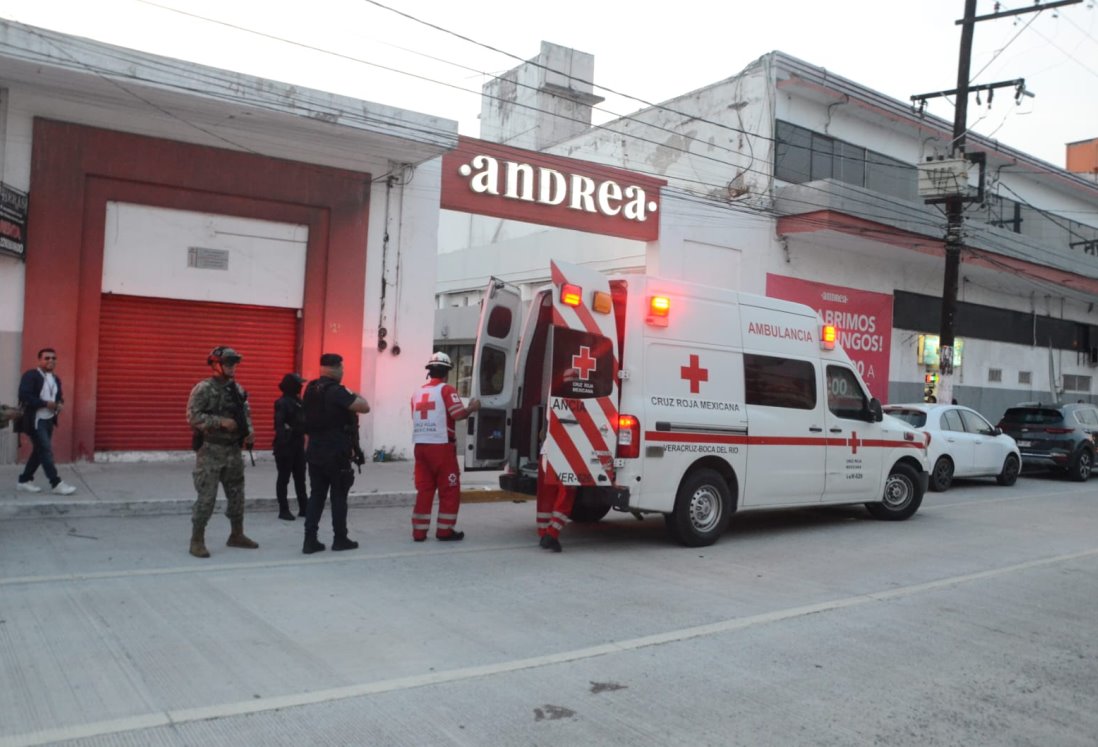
point(1064, 437)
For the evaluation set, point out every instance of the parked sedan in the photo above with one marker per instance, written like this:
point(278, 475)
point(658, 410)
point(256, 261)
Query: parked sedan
point(962, 443)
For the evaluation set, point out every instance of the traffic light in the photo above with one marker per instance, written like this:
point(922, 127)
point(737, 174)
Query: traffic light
point(931, 379)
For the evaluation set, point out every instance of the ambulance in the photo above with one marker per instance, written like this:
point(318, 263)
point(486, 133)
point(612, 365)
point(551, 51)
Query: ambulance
point(694, 402)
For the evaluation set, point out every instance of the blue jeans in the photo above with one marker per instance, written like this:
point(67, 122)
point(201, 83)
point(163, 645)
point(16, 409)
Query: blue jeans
point(42, 453)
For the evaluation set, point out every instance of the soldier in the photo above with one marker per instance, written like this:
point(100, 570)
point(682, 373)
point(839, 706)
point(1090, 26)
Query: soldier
point(218, 412)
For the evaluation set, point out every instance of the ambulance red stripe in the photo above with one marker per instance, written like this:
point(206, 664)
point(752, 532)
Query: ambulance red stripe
point(558, 433)
point(705, 438)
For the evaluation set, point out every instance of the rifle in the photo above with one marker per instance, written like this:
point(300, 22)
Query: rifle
point(238, 399)
point(351, 428)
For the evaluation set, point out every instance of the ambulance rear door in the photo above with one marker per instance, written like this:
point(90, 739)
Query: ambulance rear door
point(582, 410)
point(493, 376)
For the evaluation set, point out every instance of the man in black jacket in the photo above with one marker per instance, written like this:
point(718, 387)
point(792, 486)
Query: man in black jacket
point(41, 399)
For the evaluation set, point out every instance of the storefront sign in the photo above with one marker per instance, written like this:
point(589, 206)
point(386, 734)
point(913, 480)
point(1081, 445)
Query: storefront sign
point(492, 179)
point(863, 319)
point(13, 221)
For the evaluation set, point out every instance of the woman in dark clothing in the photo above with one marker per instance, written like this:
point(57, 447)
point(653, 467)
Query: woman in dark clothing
point(289, 445)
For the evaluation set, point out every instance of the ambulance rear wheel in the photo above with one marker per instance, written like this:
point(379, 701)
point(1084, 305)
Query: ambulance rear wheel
point(902, 495)
point(703, 509)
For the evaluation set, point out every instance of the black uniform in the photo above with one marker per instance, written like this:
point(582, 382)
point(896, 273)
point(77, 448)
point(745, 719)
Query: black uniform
point(289, 451)
point(329, 453)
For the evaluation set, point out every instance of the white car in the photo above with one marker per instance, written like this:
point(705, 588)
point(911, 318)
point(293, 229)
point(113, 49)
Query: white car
point(962, 443)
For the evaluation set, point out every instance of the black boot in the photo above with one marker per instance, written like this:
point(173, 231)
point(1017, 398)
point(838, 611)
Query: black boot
point(343, 543)
point(549, 542)
point(451, 537)
point(312, 544)
point(284, 511)
point(302, 504)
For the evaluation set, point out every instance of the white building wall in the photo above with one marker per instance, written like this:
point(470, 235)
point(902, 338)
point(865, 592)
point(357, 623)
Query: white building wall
point(409, 211)
point(146, 252)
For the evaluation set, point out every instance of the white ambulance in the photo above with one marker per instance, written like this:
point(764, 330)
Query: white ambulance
point(681, 399)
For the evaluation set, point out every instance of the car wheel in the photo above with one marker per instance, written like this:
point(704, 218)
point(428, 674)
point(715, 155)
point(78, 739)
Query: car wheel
point(942, 475)
point(1009, 474)
point(902, 495)
point(703, 509)
point(1079, 471)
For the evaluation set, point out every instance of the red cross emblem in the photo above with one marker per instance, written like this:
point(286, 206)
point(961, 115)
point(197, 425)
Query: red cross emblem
point(424, 406)
point(695, 374)
point(854, 442)
point(584, 363)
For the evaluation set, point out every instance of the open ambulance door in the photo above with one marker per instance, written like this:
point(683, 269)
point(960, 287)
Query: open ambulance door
point(493, 377)
point(582, 408)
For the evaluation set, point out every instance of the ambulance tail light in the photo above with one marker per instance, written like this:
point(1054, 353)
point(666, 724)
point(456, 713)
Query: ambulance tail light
point(659, 309)
point(828, 335)
point(629, 437)
point(571, 295)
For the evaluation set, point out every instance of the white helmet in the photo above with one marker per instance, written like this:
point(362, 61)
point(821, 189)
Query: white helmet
point(441, 360)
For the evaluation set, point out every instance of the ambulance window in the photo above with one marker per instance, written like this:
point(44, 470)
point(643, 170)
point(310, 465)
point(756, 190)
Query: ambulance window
point(779, 382)
point(845, 397)
point(493, 365)
point(499, 323)
point(583, 364)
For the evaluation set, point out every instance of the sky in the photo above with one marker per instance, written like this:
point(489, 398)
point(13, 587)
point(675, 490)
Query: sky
point(372, 50)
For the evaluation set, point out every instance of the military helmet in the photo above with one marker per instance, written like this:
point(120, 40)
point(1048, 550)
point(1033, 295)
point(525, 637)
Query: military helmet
point(440, 360)
point(224, 355)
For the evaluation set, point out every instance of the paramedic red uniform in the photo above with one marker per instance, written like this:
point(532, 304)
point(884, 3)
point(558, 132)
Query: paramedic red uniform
point(435, 407)
point(554, 501)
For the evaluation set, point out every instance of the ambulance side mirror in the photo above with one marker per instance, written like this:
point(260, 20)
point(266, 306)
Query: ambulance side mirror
point(876, 414)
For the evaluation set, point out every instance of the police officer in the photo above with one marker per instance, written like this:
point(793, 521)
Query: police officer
point(331, 423)
point(217, 411)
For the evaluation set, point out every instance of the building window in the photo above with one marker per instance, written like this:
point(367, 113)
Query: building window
point(802, 156)
point(1076, 383)
point(995, 375)
point(1025, 377)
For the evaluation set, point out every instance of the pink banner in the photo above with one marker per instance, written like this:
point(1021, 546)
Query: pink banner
point(863, 319)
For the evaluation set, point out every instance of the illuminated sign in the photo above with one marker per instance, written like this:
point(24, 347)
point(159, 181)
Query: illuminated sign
point(504, 182)
point(928, 350)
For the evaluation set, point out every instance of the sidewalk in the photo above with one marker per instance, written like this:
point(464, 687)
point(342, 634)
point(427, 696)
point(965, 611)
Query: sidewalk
point(151, 488)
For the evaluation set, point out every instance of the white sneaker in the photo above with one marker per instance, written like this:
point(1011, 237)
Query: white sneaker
point(27, 487)
point(63, 488)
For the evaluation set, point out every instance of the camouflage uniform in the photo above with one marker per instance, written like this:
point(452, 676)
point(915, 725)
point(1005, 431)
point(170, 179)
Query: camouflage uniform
point(219, 459)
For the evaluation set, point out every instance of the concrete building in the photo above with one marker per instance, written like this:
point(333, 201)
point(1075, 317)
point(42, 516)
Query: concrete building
point(155, 208)
point(791, 181)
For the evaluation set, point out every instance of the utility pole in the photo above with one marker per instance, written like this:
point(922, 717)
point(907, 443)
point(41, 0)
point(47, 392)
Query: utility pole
point(955, 202)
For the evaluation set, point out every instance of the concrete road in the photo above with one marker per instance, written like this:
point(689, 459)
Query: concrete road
point(974, 623)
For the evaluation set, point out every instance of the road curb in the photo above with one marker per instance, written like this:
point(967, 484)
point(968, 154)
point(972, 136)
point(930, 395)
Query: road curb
point(88, 509)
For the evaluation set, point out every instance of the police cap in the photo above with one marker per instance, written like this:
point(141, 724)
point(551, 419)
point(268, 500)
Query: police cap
point(331, 359)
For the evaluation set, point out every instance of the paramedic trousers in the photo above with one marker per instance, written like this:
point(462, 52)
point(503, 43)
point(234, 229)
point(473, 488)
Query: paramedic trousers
point(436, 469)
point(554, 505)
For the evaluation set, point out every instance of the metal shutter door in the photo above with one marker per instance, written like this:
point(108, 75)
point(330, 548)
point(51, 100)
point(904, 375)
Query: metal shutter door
point(152, 351)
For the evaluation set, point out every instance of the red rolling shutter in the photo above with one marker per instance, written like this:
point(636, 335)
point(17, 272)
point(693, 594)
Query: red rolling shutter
point(152, 351)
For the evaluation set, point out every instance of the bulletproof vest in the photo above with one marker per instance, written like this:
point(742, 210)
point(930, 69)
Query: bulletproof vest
point(319, 417)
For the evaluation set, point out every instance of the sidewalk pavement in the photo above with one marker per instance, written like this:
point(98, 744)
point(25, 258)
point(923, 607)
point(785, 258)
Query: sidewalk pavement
point(166, 487)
